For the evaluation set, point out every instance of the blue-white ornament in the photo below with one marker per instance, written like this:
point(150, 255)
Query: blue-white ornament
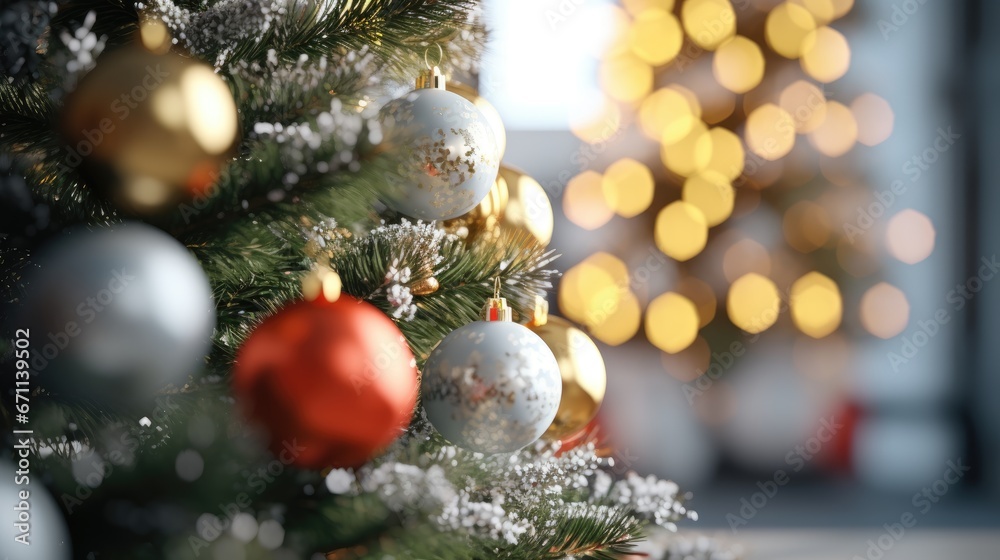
point(116, 314)
point(447, 152)
point(491, 386)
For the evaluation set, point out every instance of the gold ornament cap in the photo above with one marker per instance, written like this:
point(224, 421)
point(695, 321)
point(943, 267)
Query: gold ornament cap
point(540, 314)
point(496, 307)
point(154, 35)
point(323, 282)
point(432, 78)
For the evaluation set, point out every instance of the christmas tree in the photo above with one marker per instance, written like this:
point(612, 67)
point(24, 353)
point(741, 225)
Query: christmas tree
point(179, 171)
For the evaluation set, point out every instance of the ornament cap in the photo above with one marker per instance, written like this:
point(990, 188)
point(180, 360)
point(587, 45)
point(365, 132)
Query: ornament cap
point(322, 282)
point(496, 307)
point(497, 310)
point(432, 79)
point(154, 35)
point(540, 316)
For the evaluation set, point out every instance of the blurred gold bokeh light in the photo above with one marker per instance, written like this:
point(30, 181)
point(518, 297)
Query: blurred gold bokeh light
point(711, 193)
point(816, 305)
point(770, 132)
point(826, 56)
point(788, 25)
point(681, 230)
point(628, 187)
point(708, 23)
point(738, 65)
point(671, 322)
point(753, 303)
point(655, 36)
point(584, 202)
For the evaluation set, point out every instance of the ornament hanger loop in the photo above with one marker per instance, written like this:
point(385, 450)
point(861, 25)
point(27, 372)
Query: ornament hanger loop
point(440, 57)
point(496, 287)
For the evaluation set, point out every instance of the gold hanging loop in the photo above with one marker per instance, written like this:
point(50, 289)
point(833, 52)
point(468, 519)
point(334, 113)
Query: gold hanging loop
point(432, 77)
point(427, 51)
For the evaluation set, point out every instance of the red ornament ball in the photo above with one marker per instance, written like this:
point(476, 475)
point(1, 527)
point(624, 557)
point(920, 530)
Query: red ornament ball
point(332, 382)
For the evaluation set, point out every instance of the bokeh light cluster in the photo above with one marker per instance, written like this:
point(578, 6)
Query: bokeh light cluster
point(735, 99)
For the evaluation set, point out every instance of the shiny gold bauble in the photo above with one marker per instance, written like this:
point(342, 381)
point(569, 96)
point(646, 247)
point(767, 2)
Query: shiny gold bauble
point(516, 202)
point(584, 379)
point(151, 130)
point(487, 108)
point(528, 207)
point(484, 219)
point(425, 287)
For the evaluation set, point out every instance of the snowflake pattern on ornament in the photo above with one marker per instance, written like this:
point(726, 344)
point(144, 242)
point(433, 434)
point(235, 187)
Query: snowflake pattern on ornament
point(491, 386)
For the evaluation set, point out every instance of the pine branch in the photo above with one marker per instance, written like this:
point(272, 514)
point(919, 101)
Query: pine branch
point(275, 179)
point(466, 276)
point(396, 31)
point(117, 20)
point(26, 117)
point(597, 532)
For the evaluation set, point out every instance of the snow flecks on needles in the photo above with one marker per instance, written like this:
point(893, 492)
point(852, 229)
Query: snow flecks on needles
point(531, 480)
point(226, 23)
point(300, 143)
point(328, 141)
point(413, 251)
point(84, 46)
point(651, 498)
point(398, 293)
point(489, 519)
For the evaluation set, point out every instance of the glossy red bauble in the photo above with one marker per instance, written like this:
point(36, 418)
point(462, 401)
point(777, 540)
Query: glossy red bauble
point(333, 383)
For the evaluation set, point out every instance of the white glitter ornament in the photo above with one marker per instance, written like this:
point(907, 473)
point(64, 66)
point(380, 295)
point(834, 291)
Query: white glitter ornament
point(491, 386)
point(447, 152)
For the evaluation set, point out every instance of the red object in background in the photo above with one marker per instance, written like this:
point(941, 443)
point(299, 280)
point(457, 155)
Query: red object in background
point(333, 383)
point(592, 432)
point(837, 454)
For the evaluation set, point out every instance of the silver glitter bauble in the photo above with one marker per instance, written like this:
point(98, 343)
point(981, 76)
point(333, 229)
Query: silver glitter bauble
point(34, 527)
point(116, 314)
point(447, 153)
point(491, 386)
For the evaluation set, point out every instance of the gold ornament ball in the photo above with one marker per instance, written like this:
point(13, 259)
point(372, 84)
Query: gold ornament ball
point(516, 202)
point(584, 378)
point(528, 208)
point(487, 108)
point(152, 130)
point(484, 219)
